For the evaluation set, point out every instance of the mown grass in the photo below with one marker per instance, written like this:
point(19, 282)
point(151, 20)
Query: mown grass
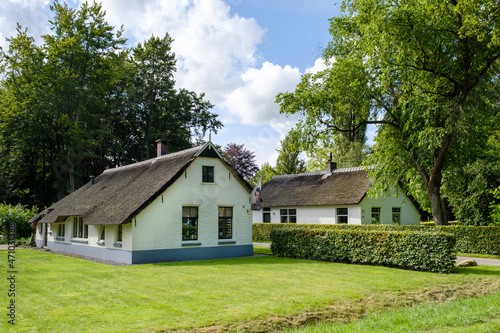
point(56, 293)
point(478, 255)
point(463, 315)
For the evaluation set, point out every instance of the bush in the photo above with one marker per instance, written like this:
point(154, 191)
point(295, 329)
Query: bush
point(430, 251)
point(19, 215)
point(469, 239)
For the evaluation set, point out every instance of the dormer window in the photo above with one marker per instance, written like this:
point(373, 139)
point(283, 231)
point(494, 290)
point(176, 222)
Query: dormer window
point(207, 174)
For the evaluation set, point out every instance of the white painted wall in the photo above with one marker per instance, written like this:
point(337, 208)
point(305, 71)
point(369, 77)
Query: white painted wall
point(409, 214)
point(313, 214)
point(159, 226)
point(357, 214)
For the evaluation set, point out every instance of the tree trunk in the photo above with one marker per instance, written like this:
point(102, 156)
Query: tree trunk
point(439, 215)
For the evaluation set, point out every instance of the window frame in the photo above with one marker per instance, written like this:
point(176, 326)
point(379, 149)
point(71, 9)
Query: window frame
point(207, 177)
point(80, 229)
point(266, 212)
point(341, 215)
point(396, 213)
point(119, 234)
point(289, 216)
point(225, 222)
point(186, 230)
point(61, 230)
point(377, 215)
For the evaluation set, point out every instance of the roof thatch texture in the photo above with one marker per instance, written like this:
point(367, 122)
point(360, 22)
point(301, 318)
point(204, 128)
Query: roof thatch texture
point(345, 186)
point(119, 194)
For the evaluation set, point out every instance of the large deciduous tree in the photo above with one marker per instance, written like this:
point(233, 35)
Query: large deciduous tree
point(242, 159)
point(81, 102)
point(425, 72)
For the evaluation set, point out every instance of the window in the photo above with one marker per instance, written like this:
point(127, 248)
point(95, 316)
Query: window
point(102, 233)
point(80, 230)
point(225, 222)
point(342, 215)
point(266, 215)
point(119, 233)
point(396, 215)
point(375, 215)
point(288, 215)
point(189, 223)
point(61, 230)
point(207, 174)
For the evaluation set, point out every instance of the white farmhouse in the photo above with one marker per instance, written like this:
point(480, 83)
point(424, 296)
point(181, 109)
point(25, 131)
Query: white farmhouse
point(333, 196)
point(187, 205)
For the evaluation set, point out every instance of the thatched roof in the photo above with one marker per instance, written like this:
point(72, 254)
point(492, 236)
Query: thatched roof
point(121, 193)
point(346, 186)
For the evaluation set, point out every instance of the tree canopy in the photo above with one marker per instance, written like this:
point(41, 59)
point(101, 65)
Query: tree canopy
point(425, 72)
point(242, 159)
point(82, 102)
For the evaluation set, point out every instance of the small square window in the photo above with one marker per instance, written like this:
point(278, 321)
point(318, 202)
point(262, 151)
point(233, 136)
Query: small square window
point(342, 216)
point(288, 215)
point(207, 174)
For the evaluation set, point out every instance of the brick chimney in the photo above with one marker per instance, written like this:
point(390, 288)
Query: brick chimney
point(330, 166)
point(161, 147)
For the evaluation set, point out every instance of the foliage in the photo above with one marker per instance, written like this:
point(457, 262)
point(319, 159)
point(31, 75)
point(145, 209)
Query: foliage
point(470, 192)
point(415, 69)
point(289, 161)
point(81, 102)
point(412, 250)
point(19, 215)
point(266, 172)
point(495, 206)
point(242, 159)
point(469, 239)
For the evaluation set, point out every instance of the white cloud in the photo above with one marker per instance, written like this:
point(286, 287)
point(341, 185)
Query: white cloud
point(29, 13)
point(253, 100)
point(319, 65)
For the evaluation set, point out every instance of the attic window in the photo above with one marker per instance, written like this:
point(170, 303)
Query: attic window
point(207, 174)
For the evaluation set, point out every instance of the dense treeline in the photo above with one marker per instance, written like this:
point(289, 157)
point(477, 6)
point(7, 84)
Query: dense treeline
point(82, 102)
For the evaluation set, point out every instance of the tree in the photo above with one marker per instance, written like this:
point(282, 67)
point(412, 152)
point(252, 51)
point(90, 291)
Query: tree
point(417, 71)
point(81, 102)
point(265, 173)
point(242, 159)
point(288, 161)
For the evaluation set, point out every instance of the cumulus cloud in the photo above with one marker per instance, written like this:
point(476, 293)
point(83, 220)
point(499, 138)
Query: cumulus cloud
point(253, 99)
point(30, 14)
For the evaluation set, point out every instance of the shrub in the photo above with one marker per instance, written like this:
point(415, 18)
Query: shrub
point(19, 215)
point(469, 239)
point(430, 251)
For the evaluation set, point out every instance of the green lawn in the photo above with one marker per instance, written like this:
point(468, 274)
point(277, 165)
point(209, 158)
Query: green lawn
point(474, 315)
point(55, 293)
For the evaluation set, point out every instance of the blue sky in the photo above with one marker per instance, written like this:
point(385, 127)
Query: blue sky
point(241, 53)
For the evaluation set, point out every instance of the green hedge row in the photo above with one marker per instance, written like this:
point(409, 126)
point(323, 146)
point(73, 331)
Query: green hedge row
point(433, 252)
point(469, 239)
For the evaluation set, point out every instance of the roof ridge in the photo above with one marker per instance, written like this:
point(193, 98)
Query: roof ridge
point(152, 161)
point(318, 173)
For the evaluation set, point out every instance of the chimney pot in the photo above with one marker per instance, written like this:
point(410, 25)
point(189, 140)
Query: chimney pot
point(92, 180)
point(161, 147)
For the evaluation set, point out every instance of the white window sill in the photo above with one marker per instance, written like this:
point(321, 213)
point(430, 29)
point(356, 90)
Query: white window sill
point(226, 241)
point(119, 244)
point(101, 242)
point(186, 243)
point(59, 239)
point(208, 183)
point(79, 240)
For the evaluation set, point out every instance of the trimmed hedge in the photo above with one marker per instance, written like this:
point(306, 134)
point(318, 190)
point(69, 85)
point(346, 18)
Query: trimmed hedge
point(469, 239)
point(432, 252)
